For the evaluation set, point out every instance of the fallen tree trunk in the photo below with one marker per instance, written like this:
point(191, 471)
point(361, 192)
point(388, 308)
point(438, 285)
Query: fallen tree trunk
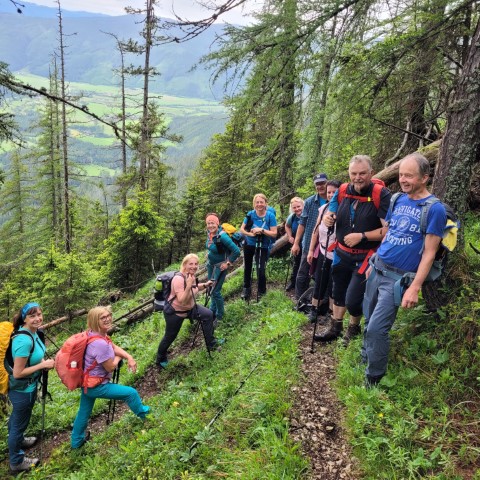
point(390, 174)
point(280, 246)
point(140, 313)
point(58, 321)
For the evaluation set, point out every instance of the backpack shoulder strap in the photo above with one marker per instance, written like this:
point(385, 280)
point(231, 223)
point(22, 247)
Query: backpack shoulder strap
point(426, 206)
point(9, 355)
point(376, 194)
point(393, 200)
point(342, 191)
point(177, 274)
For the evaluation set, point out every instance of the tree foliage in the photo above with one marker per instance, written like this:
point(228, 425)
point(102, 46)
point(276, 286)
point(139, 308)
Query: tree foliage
point(137, 235)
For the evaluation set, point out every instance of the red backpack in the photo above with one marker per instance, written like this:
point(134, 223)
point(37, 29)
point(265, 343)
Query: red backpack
point(69, 362)
point(375, 198)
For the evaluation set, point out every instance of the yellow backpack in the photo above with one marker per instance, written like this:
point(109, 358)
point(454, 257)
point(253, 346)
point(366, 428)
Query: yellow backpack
point(6, 329)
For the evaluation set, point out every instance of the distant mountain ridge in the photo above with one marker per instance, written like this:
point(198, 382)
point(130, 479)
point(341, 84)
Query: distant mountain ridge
point(40, 11)
point(28, 42)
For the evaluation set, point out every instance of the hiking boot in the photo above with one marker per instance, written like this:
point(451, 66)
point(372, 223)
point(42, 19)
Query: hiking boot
point(352, 332)
point(29, 442)
point(246, 294)
point(146, 411)
point(162, 365)
point(27, 464)
point(216, 346)
point(331, 333)
point(372, 381)
point(313, 315)
point(307, 308)
point(324, 320)
point(290, 287)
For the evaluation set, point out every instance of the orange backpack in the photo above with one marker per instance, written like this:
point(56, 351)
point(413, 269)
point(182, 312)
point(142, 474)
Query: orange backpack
point(69, 362)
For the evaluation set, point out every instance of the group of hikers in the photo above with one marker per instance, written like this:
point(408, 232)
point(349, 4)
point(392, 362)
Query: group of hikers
point(368, 253)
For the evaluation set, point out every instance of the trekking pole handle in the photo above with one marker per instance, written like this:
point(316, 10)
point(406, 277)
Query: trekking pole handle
point(44, 383)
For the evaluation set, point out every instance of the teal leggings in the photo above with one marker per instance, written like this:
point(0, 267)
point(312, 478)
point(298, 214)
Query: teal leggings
point(108, 390)
point(217, 303)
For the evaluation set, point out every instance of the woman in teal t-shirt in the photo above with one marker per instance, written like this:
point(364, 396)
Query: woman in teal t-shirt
point(28, 363)
point(260, 230)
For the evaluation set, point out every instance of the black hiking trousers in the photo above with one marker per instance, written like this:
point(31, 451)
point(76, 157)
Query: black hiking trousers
point(174, 323)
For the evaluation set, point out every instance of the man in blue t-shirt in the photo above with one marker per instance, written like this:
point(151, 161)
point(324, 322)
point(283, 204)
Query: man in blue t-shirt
point(308, 220)
point(404, 249)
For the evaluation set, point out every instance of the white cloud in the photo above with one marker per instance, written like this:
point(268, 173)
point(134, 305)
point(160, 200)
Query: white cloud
point(189, 9)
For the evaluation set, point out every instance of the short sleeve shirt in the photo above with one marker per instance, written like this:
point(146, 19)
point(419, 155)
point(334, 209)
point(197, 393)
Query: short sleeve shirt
point(402, 246)
point(100, 350)
point(309, 217)
point(265, 222)
point(21, 346)
point(293, 221)
point(323, 234)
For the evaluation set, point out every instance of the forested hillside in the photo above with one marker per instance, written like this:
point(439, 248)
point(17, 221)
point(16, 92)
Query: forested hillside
point(308, 85)
point(91, 57)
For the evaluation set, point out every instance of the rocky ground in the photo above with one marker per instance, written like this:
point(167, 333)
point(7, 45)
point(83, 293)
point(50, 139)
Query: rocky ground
point(316, 417)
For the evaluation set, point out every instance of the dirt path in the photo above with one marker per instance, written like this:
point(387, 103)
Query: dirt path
point(316, 417)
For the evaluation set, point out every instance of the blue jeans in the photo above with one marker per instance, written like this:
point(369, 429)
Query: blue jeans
point(380, 312)
point(216, 302)
point(108, 390)
point(22, 403)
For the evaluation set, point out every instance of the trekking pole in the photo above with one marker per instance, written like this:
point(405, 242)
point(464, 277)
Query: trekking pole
point(292, 258)
point(112, 404)
point(254, 268)
point(201, 325)
point(258, 259)
point(329, 233)
point(208, 293)
point(44, 399)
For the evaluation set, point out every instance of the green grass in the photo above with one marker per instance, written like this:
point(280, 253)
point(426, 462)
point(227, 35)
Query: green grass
point(95, 92)
point(249, 439)
point(422, 422)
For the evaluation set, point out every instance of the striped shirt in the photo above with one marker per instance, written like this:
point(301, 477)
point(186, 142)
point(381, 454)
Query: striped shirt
point(309, 218)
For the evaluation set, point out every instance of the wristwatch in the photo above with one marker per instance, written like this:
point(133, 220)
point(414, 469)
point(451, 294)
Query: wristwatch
point(364, 237)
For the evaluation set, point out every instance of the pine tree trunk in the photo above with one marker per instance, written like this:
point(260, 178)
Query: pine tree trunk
point(460, 148)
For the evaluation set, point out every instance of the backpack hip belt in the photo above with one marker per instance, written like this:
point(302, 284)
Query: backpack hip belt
point(402, 279)
point(355, 251)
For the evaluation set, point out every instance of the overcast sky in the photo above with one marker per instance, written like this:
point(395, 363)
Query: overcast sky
point(189, 9)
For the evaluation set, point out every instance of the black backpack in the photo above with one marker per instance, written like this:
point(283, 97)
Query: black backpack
point(21, 383)
point(163, 288)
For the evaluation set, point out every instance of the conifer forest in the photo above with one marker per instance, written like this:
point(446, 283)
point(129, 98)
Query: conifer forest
point(106, 179)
